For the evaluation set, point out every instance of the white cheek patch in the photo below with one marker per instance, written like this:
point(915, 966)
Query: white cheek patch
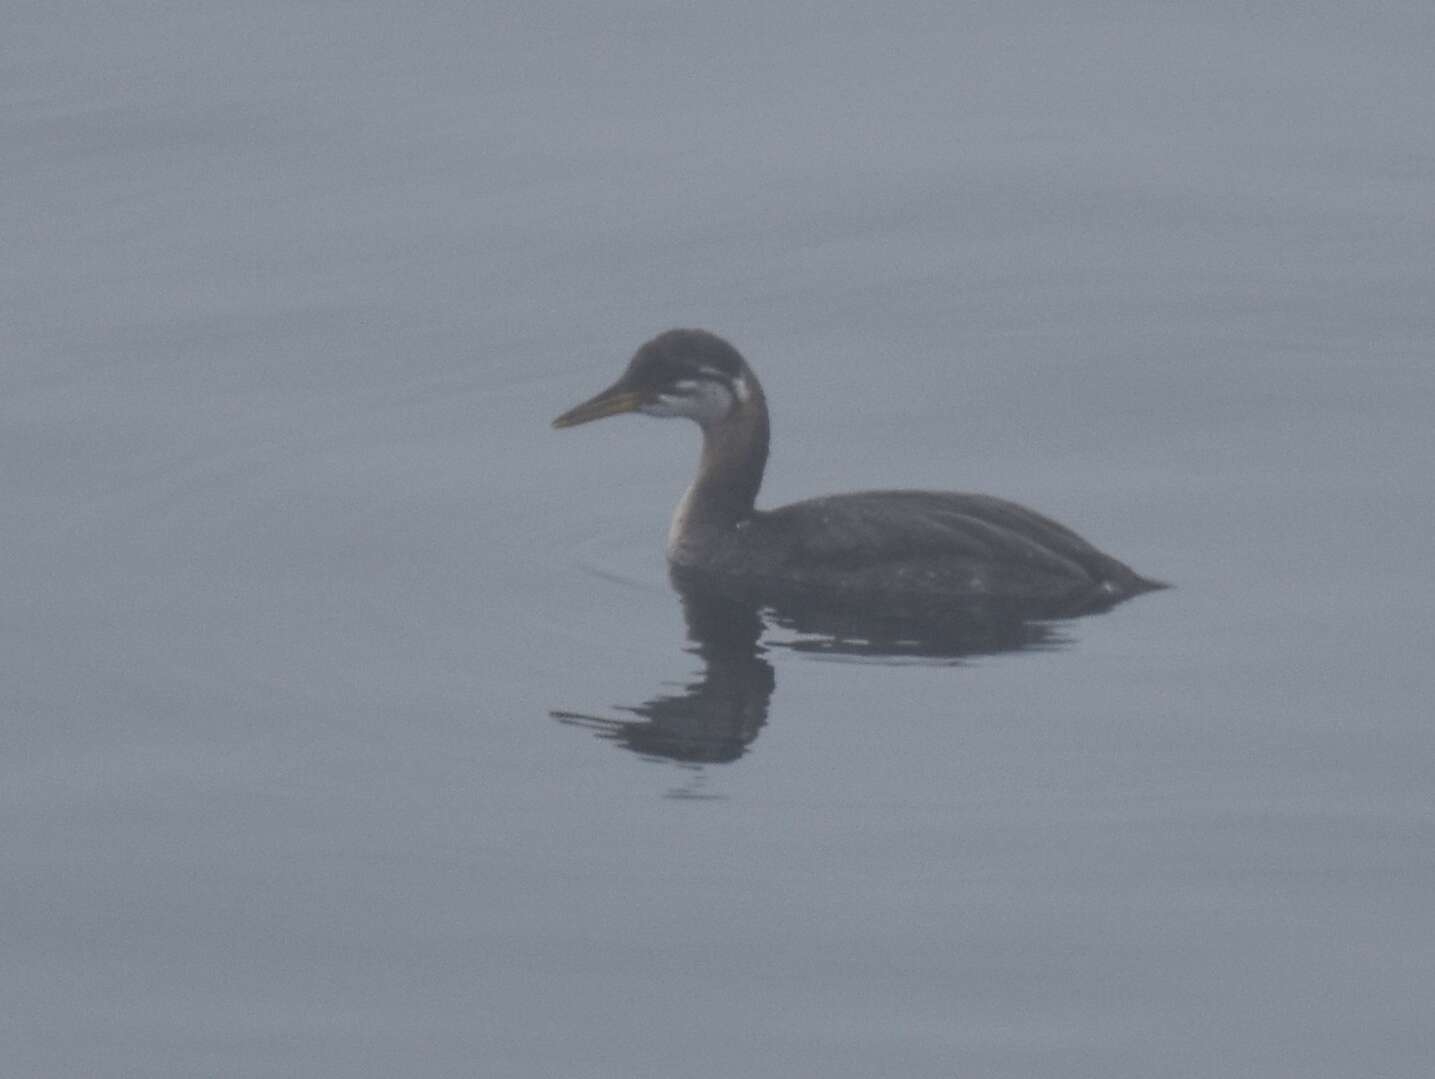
point(703, 401)
point(711, 402)
point(663, 407)
point(740, 389)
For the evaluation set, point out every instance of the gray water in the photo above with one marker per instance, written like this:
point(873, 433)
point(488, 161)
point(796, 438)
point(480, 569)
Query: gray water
point(351, 725)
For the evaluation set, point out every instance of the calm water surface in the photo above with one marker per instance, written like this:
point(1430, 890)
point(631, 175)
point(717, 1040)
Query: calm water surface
point(352, 725)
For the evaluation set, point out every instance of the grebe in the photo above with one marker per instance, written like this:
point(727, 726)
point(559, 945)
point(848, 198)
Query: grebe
point(871, 547)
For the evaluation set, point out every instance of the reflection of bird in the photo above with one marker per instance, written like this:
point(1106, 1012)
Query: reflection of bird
point(714, 718)
point(899, 547)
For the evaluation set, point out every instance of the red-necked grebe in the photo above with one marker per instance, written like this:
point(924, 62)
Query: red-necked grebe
point(881, 546)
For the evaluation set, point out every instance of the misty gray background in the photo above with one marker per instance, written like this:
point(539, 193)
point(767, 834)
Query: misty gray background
point(293, 572)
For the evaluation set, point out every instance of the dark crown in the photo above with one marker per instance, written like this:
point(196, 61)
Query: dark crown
point(685, 354)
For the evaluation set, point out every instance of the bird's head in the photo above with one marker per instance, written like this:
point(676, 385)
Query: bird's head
point(689, 373)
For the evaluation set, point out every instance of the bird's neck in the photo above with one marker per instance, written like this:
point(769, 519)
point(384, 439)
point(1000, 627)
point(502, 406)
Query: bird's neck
point(729, 475)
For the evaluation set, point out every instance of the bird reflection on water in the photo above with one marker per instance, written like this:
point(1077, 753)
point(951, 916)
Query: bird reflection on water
point(717, 716)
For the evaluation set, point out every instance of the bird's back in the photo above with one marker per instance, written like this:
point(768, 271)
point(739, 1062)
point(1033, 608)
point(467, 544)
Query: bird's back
point(875, 546)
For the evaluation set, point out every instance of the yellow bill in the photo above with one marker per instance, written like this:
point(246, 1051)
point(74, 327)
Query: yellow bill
point(610, 402)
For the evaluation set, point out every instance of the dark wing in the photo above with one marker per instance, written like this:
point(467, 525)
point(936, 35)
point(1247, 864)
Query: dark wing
point(901, 527)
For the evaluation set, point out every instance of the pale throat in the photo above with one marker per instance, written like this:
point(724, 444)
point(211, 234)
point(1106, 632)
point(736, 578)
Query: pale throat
point(730, 469)
point(678, 529)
